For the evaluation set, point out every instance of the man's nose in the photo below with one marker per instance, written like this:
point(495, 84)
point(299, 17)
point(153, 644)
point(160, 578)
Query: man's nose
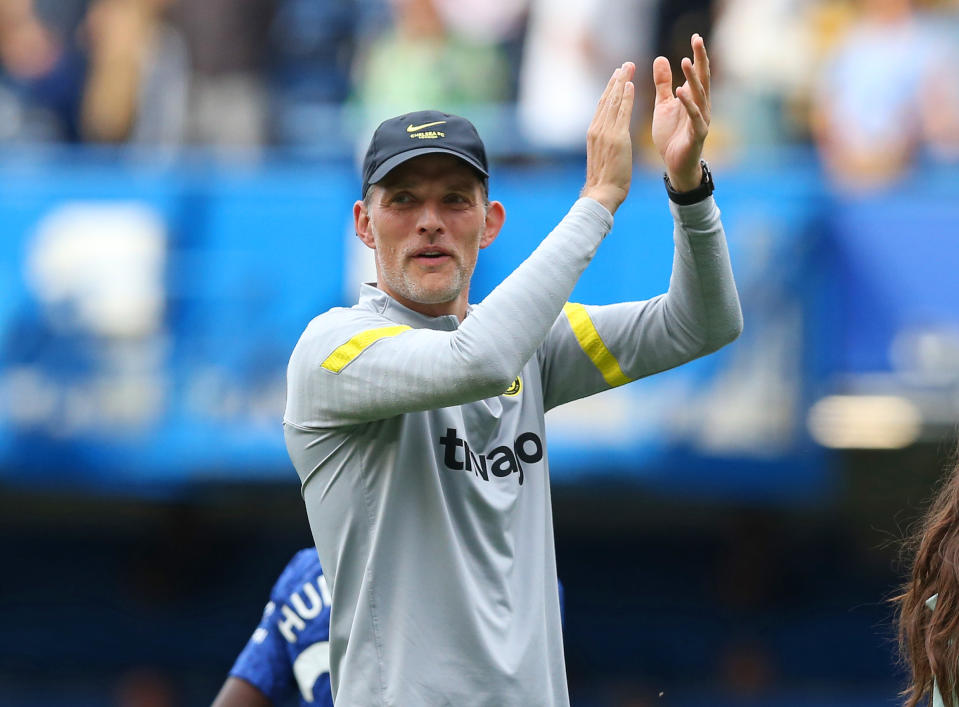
point(430, 220)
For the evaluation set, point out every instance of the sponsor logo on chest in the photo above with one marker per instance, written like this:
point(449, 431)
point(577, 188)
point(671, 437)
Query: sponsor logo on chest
point(500, 462)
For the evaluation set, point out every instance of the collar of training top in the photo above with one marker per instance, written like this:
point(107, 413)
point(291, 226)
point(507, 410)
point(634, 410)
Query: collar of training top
point(421, 133)
point(371, 297)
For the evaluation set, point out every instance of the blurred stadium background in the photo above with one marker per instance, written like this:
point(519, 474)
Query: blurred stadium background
point(176, 178)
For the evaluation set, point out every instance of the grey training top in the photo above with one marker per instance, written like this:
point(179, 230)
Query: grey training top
point(421, 446)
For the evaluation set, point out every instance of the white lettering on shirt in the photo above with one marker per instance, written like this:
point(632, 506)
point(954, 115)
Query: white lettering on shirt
point(298, 611)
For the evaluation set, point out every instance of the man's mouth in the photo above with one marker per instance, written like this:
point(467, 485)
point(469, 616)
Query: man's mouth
point(431, 255)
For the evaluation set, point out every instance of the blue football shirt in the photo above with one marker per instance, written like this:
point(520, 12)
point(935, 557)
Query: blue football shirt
point(288, 655)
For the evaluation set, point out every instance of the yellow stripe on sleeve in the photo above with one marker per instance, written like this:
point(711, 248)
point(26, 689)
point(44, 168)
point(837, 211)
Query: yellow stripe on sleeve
point(337, 360)
point(585, 332)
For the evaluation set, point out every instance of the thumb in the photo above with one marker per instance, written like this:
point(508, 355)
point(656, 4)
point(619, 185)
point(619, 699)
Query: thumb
point(663, 79)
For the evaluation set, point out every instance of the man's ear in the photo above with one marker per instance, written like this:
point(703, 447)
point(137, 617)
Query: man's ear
point(361, 224)
point(495, 217)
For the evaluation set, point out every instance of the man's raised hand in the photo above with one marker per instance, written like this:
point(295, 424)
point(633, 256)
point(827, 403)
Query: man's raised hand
point(609, 151)
point(681, 122)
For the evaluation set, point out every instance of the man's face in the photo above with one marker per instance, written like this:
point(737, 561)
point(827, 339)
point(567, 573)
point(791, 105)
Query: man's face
point(427, 221)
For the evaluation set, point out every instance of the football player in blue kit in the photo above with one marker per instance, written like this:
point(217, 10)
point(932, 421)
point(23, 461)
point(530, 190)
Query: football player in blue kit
point(288, 655)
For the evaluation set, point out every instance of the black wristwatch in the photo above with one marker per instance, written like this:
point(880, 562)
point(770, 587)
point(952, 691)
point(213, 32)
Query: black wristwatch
point(693, 196)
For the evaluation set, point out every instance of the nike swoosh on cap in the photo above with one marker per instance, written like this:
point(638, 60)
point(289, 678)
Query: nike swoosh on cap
point(413, 128)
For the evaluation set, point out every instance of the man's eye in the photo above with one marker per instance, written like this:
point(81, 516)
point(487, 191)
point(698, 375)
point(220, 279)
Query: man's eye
point(456, 199)
point(402, 198)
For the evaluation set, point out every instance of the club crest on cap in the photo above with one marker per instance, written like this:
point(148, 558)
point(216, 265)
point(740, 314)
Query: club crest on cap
point(427, 135)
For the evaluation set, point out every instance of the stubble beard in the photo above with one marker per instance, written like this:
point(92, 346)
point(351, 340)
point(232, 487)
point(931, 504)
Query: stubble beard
point(398, 277)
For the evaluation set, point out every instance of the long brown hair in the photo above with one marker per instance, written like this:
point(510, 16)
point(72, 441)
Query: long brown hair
point(929, 640)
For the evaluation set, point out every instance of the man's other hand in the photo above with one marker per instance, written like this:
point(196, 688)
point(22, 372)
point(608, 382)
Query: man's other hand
point(681, 122)
point(609, 151)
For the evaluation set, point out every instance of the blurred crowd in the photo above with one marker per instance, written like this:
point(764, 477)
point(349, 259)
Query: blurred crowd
point(874, 84)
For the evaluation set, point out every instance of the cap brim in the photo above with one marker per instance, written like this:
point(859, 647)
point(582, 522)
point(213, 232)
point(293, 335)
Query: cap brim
point(396, 160)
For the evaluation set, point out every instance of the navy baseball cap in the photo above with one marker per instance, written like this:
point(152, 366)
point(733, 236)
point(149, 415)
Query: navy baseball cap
point(421, 133)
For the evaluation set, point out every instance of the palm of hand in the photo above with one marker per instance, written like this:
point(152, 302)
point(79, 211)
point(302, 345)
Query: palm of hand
point(674, 136)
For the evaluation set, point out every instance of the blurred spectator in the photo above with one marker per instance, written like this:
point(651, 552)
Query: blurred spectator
point(571, 48)
point(674, 22)
point(499, 22)
point(762, 58)
point(313, 45)
point(137, 79)
point(41, 73)
point(421, 64)
point(941, 126)
point(227, 42)
point(891, 79)
point(670, 24)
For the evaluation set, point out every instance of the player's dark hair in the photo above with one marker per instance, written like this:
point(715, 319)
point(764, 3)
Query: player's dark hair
point(929, 639)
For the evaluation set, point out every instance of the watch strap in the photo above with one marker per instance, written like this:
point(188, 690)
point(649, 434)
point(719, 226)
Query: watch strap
point(693, 196)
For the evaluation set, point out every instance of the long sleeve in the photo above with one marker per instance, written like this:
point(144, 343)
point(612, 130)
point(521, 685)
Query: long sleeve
point(593, 348)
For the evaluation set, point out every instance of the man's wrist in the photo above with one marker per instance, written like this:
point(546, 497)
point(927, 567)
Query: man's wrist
point(686, 179)
point(610, 198)
point(700, 189)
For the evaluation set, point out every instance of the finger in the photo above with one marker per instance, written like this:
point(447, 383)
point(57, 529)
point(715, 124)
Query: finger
point(602, 110)
point(615, 97)
point(609, 87)
point(693, 82)
point(701, 62)
point(662, 79)
point(698, 121)
point(625, 114)
point(626, 94)
point(607, 92)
